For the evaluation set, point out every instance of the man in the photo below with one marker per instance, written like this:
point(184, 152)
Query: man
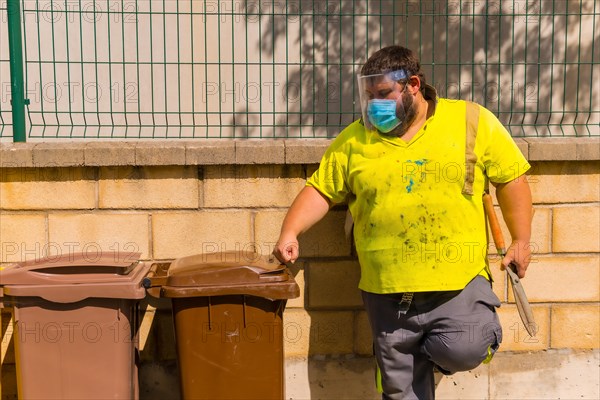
point(413, 171)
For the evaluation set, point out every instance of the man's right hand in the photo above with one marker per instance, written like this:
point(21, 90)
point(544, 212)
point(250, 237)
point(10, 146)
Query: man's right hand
point(308, 208)
point(287, 249)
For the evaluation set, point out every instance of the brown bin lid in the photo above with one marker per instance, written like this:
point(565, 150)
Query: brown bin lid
point(231, 272)
point(73, 277)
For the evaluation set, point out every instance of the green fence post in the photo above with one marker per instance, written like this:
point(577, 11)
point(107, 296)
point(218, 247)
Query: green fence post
point(15, 48)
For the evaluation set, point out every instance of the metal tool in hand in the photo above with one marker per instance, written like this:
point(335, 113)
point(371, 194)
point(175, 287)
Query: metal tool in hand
point(523, 306)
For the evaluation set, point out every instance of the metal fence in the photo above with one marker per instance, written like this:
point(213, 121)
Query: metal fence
point(243, 68)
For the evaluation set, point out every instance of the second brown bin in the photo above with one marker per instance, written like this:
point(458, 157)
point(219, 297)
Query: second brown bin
point(227, 310)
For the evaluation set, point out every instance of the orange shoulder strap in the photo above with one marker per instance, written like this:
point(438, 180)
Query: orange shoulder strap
point(472, 119)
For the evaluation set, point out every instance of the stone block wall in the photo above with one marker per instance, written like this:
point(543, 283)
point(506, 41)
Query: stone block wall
point(171, 199)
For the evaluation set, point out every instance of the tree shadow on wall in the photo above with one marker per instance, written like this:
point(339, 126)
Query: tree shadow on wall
point(499, 54)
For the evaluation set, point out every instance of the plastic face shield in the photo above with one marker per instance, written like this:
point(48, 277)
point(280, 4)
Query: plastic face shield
point(370, 87)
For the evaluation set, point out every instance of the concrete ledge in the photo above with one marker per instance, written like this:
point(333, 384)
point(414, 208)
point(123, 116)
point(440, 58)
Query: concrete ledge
point(159, 152)
point(227, 152)
point(556, 149)
point(210, 152)
point(68, 154)
point(16, 155)
point(260, 151)
point(563, 149)
point(305, 151)
point(109, 153)
point(588, 149)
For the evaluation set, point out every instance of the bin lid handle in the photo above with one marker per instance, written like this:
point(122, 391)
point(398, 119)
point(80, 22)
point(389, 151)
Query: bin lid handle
point(127, 261)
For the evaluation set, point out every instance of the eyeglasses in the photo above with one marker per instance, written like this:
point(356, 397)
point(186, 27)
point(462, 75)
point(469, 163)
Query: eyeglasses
point(383, 89)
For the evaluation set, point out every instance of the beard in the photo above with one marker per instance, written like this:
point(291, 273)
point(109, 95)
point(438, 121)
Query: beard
point(409, 110)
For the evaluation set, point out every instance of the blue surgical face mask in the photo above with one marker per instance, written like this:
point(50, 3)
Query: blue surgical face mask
point(382, 114)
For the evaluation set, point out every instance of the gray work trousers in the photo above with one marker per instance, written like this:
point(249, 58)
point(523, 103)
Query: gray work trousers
point(451, 331)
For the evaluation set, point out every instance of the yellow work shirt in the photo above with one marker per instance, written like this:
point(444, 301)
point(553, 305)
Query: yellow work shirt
point(414, 229)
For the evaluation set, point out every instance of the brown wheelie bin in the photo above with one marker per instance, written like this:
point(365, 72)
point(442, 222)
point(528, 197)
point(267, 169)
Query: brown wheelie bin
point(75, 325)
point(227, 311)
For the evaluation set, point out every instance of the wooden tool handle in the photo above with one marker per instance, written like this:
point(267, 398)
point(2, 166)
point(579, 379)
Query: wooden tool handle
point(488, 205)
